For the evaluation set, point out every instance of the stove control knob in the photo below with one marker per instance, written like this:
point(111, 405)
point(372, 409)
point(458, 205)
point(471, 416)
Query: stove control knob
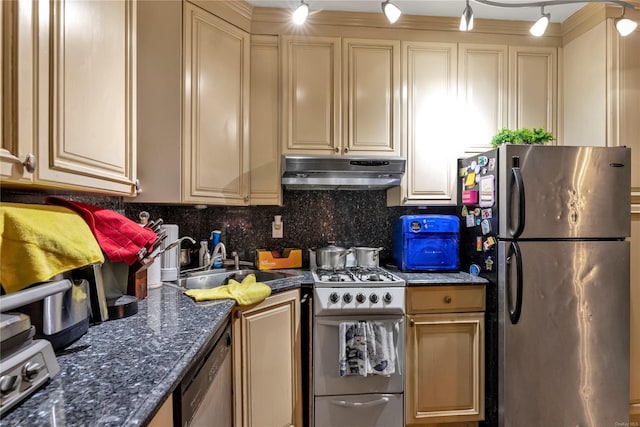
point(387, 297)
point(8, 383)
point(334, 298)
point(30, 370)
point(347, 298)
point(373, 298)
point(361, 298)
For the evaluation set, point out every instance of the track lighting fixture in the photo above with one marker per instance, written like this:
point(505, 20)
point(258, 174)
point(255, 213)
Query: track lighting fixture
point(541, 24)
point(391, 11)
point(466, 20)
point(625, 26)
point(301, 13)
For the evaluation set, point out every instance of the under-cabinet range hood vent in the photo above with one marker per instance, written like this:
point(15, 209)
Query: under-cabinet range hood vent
point(341, 173)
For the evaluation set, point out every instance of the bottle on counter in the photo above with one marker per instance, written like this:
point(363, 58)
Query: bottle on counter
point(204, 258)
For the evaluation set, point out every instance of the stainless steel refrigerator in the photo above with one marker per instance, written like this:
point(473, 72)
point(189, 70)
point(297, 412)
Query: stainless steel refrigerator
point(547, 226)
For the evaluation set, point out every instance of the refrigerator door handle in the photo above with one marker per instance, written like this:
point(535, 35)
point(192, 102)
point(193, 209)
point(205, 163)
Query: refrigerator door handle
point(514, 255)
point(519, 184)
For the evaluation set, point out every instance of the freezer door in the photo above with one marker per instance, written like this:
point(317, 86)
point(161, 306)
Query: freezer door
point(564, 192)
point(564, 350)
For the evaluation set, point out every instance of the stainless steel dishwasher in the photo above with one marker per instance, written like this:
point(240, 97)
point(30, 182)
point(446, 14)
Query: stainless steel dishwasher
point(204, 397)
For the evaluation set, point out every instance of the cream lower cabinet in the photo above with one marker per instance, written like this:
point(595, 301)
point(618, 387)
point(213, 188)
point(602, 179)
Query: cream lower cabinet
point(444, 355)
point(340, 96)
point(267, 388)
point(69, 100)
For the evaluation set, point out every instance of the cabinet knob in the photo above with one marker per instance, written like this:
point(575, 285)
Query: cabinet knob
point(337, 150)
point(30, 163)
point(346, 149)
point(405, 199)
point(447, 299)
point(137, 186)
point(246, 198)
point(412, 322)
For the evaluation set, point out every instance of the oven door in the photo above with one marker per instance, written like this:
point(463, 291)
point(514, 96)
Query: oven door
point(369, 410)
point(326, 366)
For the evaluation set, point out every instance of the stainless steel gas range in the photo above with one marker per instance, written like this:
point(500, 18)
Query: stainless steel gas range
point(358, 347)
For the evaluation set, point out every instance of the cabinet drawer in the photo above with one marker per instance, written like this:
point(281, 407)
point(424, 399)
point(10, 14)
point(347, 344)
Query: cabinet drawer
point(443, 299)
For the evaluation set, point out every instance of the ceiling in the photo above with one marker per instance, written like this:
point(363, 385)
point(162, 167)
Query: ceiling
point(452, 8)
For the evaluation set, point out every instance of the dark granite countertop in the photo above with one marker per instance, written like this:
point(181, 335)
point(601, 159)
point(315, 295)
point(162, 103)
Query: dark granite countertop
point(121, 371)
point(435, 279)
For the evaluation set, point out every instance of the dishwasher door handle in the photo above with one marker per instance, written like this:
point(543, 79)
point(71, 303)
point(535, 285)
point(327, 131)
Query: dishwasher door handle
point(368, 404)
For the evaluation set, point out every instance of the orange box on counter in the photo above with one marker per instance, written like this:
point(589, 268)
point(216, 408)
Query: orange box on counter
point(270, 260)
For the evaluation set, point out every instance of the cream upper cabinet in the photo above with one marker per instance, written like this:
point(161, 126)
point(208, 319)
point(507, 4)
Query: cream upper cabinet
point(457, 98)
point(340, 96)
point(371, 92)
point(430, 81)
point(215, 162)
point(266, 362)
point(193, 72)
point(445, 355)
point(533, 88)
point(265, 122)
point(311, 95)
point(482, 94)
point(73, 97)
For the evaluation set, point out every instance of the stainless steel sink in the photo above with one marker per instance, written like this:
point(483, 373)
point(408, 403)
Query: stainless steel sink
point(212, 278)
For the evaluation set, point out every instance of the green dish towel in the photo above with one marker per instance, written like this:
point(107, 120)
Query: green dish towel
point(245, 293)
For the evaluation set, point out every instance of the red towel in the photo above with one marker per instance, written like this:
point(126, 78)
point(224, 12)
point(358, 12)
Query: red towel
point(120, 238)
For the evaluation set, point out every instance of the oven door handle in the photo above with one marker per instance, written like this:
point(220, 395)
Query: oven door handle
point(369, 404)
point(338, 322)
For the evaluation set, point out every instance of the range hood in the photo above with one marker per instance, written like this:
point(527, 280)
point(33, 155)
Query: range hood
point(341, 172)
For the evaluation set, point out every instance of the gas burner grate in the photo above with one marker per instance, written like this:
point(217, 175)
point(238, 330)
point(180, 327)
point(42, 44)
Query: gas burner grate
point(335, 275)
point(372, 274)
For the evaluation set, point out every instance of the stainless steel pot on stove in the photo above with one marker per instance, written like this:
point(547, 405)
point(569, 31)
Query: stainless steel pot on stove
point(330, 256)
point(367, 257)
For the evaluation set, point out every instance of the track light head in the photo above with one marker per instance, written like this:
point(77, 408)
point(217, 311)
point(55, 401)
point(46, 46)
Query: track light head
point(301, 13)
point(625, 26)
point(466, 20)
point(391, 11)
point(541, 24)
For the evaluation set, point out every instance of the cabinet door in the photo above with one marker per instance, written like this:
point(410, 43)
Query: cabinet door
point(266, 362)
point(311, 95)
point(265, 121)
point(86, 95)
point(533, 85)
point(429, 76)
point(216, 110)
point(445, 368)
point(482, 94)
point(17, 126)
point(371, 88)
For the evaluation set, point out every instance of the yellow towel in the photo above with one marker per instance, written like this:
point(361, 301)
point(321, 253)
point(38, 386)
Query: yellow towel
point(245, 293)
point(39, 241)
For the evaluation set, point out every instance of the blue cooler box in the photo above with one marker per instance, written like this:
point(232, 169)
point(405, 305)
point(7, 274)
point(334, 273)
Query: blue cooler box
point(426, 242)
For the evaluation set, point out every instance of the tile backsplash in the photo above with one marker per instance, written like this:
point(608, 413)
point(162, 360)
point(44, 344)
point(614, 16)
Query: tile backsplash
point(311, 219)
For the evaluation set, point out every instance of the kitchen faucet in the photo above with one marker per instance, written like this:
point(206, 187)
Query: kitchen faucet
point(177, 243)
point(221, 249)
